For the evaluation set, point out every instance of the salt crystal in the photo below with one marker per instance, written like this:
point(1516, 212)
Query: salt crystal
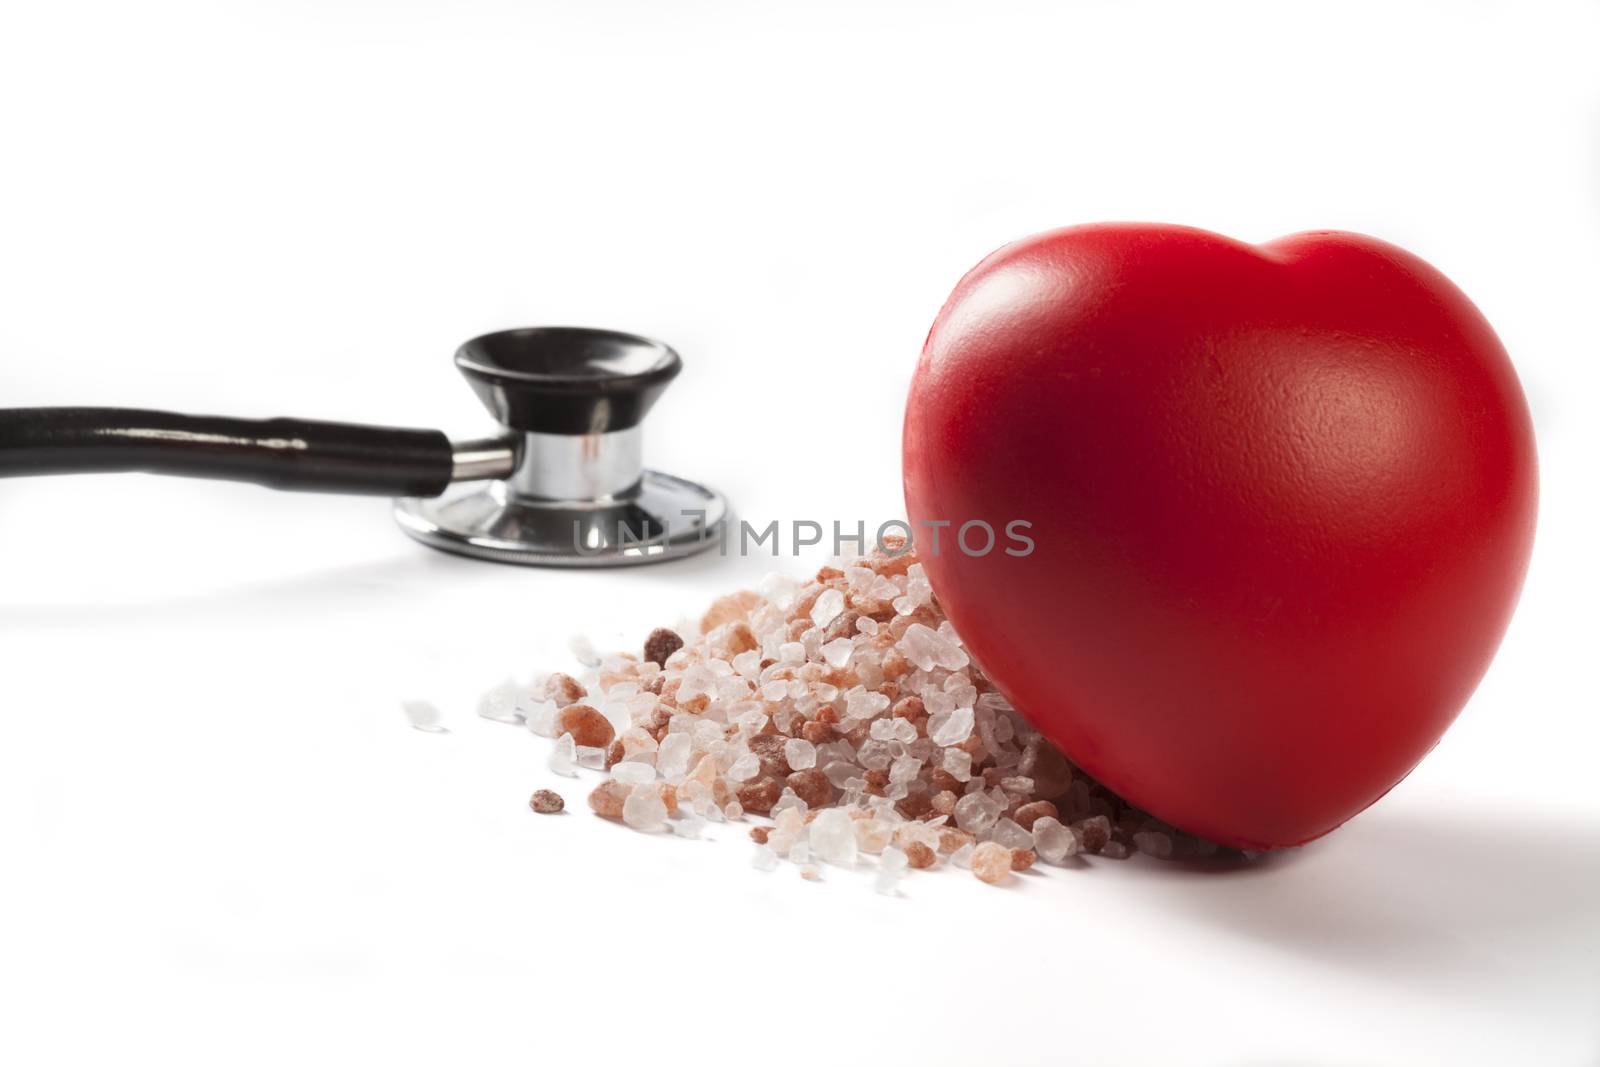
point(904, 770)
point(827, 608)
point(955, 728)
point(590, 758)
point(792, 652)
point(991, 862)
point(423, 716)
point(733, 811)
point(672, 757)
point(975, 813)
point(800, 852)
point(1007, 833)
point(840, 773)
point(563, 755)
point(764, 859)
point(1053, 841)
point(836, 653)
point(542, 718)
point(1153, 843)
point(958, 762)
point(500, 703)
point(633, 773)
point(644, 809)
point(746, 767)
point(800, 753)
point(833, 837)
point(867, 625)
point(689, 827)
point(891, 868)
point(583, 649)
point(883, 729)
point(962, 856)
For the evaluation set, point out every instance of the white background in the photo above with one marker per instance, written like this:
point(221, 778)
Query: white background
point(220, 841)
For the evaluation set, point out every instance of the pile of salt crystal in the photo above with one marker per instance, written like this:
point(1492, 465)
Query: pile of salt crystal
point(847, 710)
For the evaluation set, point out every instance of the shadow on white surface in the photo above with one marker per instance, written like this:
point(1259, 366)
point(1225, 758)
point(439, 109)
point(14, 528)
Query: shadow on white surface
point(1459, 899)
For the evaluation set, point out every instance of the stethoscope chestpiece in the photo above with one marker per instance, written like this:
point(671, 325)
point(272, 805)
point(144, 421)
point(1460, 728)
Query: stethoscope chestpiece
point(566, 486)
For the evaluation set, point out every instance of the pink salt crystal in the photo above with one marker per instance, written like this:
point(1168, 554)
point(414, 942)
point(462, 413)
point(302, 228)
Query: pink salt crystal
point(1152, 843)
point(991, 863)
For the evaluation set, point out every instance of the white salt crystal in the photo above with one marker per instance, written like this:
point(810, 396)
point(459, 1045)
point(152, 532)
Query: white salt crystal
point(953, 728)
point(764, 859)
point(882, 729)
point(962, 857)
point(633, 772)
point(788, 800)
point(833, 836)
point(800, 852)
point(958, 761)
point(746, 767)
point(891, 868)
point(500, 703)
point(643, 809)
point(1008, 833)
point(867, 625)
point(672, 757)
point(836, 653)
point(583, 649)
point(541, 718)
point(690, 826)
point(839, 772)
point(800, 754)
point(590, 757)
point(904, 769)
point(733, 810)
point(423, 716)
point(975, 813)
point(563, 755)
point(1053, 841)
point(792, 653)
point(827, 608)
point(774, 691)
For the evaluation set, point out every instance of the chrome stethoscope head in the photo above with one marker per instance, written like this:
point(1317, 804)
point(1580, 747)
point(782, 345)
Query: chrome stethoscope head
point(564, 484)
point(567, 486)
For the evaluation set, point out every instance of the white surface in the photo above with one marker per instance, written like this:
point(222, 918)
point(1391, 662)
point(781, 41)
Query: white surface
point(223, 843)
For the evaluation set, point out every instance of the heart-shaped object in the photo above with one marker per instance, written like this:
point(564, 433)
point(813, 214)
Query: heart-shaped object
point(1280, 501)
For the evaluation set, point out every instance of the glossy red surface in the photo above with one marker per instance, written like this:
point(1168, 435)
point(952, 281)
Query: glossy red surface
point(1282, 499)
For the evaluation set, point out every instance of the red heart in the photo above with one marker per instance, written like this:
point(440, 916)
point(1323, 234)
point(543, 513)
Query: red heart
point(1282, 499)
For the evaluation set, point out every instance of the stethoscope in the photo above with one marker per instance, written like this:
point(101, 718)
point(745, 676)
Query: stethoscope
point(564, 485)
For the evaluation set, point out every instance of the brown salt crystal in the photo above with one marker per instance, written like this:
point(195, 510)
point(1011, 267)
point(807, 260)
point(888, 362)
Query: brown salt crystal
point(661, 643)
point(1022, 858)
point(804, 601)
point(943, 781)
point(991, 862)
point(1027, 814)
point(843, 625)
point(614, 754)
point(826, 714)
point(811, 786)
point(563, 689)
point(817, 732)
point(1094, 833)
point(546, 802)
point(734, 607)
point(916, 805)
point(1049, 769)
point(586, 725)
point(759, 794)
point(768, 748)
point(608, 798)
point(759, 834)
point(829, 573)
point(919, 855)
point(669, 797)
point(877, 780)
